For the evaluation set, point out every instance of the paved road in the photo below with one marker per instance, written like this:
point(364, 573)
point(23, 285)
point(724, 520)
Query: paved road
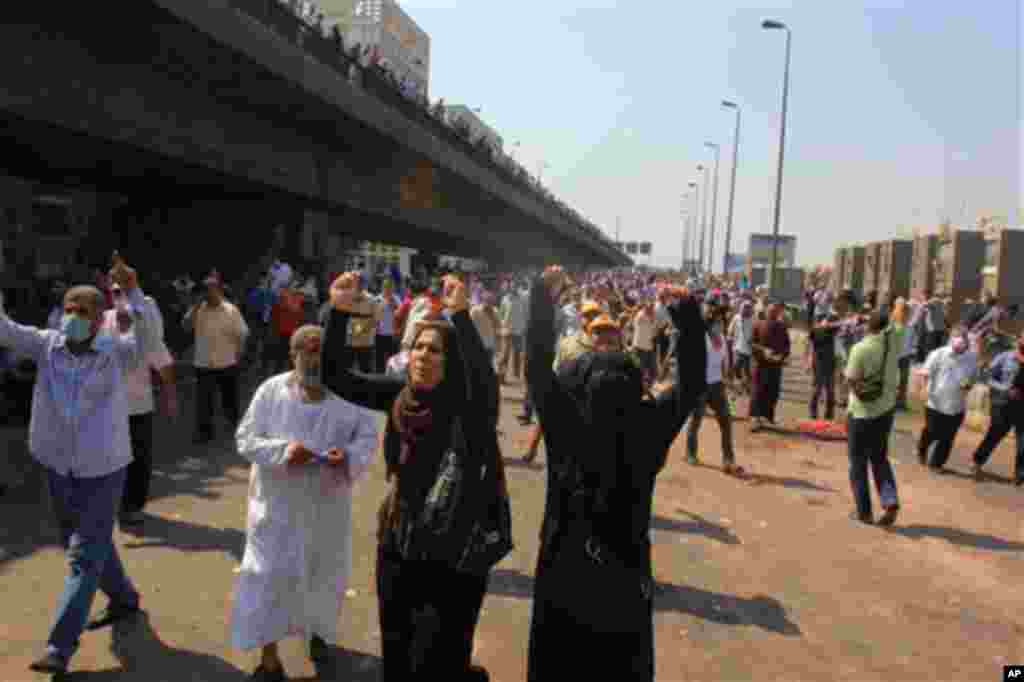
point(764, 579)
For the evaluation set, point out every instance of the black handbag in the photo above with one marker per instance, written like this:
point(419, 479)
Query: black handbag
point(870, 390)
point(591, 584)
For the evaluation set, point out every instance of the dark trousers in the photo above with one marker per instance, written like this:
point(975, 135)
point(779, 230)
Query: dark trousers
point(140, 471)
point(767, 388)
point(716, 398)
point(868, 444)
point(209, 381)
point(1005, 417)
point(940, 429)
point(901, 395)
point(364, 359)
point(428, 615)
point(824, 382)
point(386, 347)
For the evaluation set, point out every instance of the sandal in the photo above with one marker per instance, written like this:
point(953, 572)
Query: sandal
point(734, 470)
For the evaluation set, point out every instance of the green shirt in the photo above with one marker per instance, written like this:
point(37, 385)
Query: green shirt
point(865, 362)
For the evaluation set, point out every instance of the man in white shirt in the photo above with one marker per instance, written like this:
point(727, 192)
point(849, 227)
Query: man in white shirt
point(513, 319)
point(387, 339)
point(139, 391)
point(951, 372)
point(308, 448)
point(741, 332)
point(220, 333)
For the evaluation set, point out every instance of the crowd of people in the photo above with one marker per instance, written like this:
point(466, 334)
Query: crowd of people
point(365, 63)
point(615, 365)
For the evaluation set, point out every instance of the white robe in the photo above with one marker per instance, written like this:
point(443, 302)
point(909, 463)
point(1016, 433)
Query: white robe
point(299, 529)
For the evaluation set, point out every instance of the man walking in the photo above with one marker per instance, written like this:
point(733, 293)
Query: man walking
point(1006, 385)
point(80, 435)
point(874, 374)
point(513, 320)
point(220, 333)
point(308, 447)
point(951, 371)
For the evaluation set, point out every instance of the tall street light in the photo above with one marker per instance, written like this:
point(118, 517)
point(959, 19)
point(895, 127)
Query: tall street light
point(732, 189)
point(714, 210)
point(771, 24)
point(704, 217)
point(695, 190)
point(685, 224)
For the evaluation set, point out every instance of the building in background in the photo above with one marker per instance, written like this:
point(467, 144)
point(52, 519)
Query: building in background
point(460, 113)
point(404, 47)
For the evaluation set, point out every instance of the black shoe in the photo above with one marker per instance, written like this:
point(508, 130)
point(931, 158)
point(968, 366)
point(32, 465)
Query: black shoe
point(976, 471)
point(50, 663)
point(1019, 481)
point(318, 650)
point(261, 674)
point(477, 673)
point(854, 516)
point(111, 615)
point(889, 517)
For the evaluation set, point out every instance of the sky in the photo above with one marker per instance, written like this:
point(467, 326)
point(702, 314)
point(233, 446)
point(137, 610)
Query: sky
point(899, 115)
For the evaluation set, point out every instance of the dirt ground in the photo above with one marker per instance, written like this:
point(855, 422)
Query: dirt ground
point(763, 579)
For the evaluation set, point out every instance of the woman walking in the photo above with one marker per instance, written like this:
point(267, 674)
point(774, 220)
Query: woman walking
point(606, 444)
point(446, 521)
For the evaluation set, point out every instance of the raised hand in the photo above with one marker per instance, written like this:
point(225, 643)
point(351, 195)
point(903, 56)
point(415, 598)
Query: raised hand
point(454, 298)
point(121, 274)
point(344, 290)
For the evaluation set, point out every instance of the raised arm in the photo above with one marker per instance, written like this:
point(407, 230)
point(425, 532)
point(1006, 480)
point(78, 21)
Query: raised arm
point(20, 338)
point(540, 348)
point(372, 391)
point(483, 382)
point(670, 409)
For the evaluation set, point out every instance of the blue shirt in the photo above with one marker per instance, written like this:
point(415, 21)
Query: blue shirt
point(1002, 374)
point(79, 408)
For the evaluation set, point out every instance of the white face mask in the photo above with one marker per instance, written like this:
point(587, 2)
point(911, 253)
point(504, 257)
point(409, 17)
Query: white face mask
point(308, 375)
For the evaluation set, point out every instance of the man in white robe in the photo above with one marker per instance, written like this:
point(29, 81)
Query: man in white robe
point(308, 448)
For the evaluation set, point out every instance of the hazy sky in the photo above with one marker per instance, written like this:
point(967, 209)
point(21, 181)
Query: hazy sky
point(899, 113)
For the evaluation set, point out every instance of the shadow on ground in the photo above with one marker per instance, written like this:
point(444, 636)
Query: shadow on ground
point(759, 611)
point(157, 531)
point(698, 525)
point(959, 537)
point(142, 655)
point(755, 479)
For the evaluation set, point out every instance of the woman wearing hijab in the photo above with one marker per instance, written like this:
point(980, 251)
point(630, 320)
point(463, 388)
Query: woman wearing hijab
point(445, 522)
point(606, 444)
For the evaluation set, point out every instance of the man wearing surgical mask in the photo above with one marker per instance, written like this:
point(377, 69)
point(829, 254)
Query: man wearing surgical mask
point(308, 447)
point(80, 435)
point(951, 372)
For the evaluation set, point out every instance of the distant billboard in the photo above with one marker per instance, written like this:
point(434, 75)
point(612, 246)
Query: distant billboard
point(737, 262)
point(760, 252)
point(631, 248)
point(645, 248)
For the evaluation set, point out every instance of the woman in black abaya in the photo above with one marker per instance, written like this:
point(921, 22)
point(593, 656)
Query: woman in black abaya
point(606, 444)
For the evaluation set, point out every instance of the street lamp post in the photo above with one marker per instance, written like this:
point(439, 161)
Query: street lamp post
point(704, 217)
point(772, 24)
point(695, 190)
point(714, 210)
point(732, 188)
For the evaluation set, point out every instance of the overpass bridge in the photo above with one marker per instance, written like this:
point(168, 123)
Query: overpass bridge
point(225, 131)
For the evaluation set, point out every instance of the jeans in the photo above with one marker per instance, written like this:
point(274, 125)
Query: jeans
point(940, 429)
point(207, 382)
point(140, 471)
point(1005, 417)
point(85, 510)
point(716, 398)
point(868, 443)
point(824, 382)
